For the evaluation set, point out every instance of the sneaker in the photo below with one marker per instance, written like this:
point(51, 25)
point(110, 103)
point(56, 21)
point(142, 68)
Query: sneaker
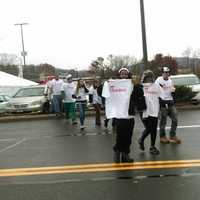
point(106, 123)
point(74, 123)
point(164, 140)
point(82, 127)
point(174, 140)
point(154, 151)
point(141, 144)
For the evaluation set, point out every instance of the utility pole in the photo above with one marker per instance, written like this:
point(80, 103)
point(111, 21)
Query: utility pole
point(23, 53)
point(144, 43)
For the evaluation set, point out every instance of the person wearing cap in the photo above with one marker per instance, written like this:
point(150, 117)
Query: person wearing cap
point(124, 117)
point(68, 89)
point(55, 88)
point(167, 108)
point(149, 115)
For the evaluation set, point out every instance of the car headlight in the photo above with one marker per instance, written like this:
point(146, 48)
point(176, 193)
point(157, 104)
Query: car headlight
point(36, 103)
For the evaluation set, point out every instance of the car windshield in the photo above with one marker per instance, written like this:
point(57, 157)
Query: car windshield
point(30, 92)
point(185, 80)
point(4, 98)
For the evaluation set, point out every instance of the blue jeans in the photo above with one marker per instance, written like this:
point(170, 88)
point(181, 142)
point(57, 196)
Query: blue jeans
point(57, 103)
point(172, 113)
point(81, 108)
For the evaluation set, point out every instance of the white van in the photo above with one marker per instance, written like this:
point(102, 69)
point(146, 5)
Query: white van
point(189, 80)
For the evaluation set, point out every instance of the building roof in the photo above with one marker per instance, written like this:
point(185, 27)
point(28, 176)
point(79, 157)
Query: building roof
point(11, 80)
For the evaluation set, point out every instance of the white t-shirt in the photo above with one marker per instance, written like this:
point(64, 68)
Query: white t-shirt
point(167, 87)
point(55, 86)
point(152, 92)
point(96, 98)
point(117, 93)
point(81, 95)
point(69, 89)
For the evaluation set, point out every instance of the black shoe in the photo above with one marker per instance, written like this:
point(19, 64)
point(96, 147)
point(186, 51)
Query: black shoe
point(98, 124)
point(106, 123)
point(126, 158)
point(154, 151)
point(141, 144)
point(116, 157)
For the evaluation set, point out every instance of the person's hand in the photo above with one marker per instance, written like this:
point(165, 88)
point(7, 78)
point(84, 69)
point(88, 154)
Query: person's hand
point(173, 89)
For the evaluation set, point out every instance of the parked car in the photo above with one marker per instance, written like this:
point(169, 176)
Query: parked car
point(3, 103)
point(189, 80)
point(29, 99)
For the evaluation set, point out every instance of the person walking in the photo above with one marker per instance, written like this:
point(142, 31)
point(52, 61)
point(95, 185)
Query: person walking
point(55, 87)
point(167, 108)
point(149, 115)
point(117, 93)
point(68, 90)
point(95, 99)
point(81, 100)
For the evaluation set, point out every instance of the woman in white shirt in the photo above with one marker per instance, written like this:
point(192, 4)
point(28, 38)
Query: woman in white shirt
point(152, 92)
point(81, 100)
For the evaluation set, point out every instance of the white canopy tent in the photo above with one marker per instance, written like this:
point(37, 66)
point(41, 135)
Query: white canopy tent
point(9, 83)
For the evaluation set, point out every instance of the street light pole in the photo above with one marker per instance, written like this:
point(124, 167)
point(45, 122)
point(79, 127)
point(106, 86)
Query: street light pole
point(23, 53)
point(144, 43)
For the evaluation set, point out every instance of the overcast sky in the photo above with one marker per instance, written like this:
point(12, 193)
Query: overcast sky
point(71, 33)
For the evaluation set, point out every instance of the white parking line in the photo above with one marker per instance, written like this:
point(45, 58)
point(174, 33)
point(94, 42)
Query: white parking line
point(189, 126)
point(12, 146)
point(8, 139)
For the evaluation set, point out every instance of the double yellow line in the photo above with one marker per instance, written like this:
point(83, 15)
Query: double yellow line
point(100, 167)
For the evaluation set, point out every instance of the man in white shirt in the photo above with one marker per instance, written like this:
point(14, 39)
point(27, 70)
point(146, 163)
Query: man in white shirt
point(167, 107)
point(68, 89)
point(55, 86)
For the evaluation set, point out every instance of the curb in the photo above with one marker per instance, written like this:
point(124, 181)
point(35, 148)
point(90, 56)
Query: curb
point(29, 117)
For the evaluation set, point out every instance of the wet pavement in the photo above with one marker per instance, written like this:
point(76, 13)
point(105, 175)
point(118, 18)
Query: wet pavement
point(84, 166)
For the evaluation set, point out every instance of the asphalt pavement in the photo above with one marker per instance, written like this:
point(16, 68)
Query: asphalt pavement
point(50, 158)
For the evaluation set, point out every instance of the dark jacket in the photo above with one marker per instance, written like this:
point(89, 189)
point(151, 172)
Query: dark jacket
point(137, 100)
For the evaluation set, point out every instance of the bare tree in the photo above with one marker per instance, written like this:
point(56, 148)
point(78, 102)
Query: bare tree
point(8, 59)
point(187, 53)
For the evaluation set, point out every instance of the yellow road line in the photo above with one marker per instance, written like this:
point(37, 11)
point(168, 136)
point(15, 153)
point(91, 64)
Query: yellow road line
point(100, 167)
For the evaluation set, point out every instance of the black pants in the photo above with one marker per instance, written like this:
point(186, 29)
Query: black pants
point(150, 124)
point(124, 132)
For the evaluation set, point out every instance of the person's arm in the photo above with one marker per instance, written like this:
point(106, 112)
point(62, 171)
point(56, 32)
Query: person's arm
point(105, 91)
point(85, 88)
point(91, 92)
point(62, 90)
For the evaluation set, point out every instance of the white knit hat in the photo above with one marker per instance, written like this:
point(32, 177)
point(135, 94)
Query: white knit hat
point(123, 69)
point(68, 76)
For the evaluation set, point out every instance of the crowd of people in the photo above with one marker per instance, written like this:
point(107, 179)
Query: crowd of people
point(121, 98)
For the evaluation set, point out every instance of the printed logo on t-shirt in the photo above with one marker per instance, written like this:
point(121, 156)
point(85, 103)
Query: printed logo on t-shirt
point(116, 90)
